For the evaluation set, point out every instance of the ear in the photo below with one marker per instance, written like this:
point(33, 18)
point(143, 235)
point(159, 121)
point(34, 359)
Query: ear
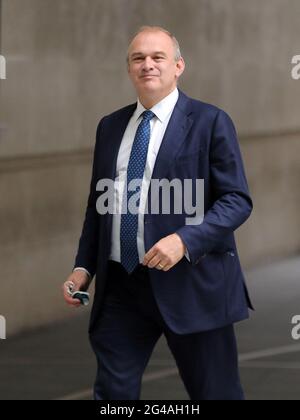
point(180, 66)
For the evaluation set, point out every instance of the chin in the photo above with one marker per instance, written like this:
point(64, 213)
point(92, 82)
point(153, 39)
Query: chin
point(147, 90)
point(150, 87)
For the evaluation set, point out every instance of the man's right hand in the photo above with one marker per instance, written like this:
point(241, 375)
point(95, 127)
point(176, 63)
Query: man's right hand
point(81, 281)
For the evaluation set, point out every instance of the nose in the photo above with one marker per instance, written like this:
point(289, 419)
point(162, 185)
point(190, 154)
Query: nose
point(148, 64)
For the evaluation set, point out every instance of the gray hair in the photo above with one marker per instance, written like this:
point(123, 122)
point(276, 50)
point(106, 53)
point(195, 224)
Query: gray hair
point(177, 53)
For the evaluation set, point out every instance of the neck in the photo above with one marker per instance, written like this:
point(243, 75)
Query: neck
point(148, 101)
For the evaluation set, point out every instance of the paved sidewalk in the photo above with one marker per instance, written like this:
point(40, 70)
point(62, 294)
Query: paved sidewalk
point(57, 363)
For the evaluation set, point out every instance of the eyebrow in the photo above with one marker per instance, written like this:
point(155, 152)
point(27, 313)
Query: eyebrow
point(136, 54)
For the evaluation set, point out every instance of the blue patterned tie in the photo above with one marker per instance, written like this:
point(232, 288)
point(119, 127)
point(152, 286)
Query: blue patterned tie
point(135, 170)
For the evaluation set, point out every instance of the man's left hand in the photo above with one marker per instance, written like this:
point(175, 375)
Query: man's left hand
point(165, 253)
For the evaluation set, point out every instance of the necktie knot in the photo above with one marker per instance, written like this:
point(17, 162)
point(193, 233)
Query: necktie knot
point(148, 115)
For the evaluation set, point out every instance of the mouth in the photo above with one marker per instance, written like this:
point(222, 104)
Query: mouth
point(148, 76)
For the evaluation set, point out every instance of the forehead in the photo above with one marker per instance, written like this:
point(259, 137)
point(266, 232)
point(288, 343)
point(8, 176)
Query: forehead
point(149, 42)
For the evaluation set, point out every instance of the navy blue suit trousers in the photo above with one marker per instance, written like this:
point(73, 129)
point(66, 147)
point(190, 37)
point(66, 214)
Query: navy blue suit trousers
point(129, 326)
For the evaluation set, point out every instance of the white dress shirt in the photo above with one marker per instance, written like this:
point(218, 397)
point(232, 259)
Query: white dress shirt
point(163, 111)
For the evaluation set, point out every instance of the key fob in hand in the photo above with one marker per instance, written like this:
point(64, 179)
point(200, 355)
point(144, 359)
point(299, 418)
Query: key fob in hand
point(84, 297)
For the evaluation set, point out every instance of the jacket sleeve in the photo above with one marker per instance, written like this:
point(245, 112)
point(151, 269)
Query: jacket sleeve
point(232, 204)
point(88, 243)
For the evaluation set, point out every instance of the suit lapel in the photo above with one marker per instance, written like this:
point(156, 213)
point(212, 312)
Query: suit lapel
point(114, 141)
point(175, 135)
point(176, 132)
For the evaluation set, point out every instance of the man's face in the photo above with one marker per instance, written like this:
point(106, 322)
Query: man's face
point(151, 64)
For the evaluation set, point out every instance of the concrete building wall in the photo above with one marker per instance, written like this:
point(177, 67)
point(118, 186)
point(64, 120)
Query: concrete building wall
point(66, 68)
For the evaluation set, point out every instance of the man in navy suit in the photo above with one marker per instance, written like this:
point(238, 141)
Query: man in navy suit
point(155, 273)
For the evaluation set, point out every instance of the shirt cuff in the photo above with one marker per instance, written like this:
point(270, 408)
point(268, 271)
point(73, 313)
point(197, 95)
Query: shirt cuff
point(187, 255)
point(83, 269)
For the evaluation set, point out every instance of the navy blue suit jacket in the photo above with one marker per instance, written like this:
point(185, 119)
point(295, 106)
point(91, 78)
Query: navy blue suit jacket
point(200, 142)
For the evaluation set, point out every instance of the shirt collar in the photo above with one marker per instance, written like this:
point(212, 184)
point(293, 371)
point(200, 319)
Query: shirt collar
point(162, 109)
